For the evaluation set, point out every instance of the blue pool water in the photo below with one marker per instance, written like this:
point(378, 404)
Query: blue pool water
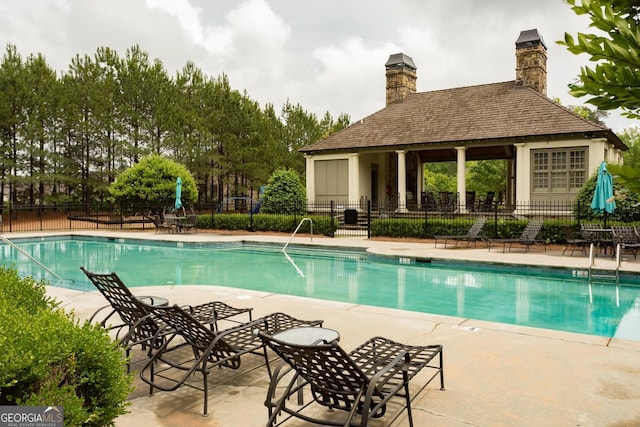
point(544, 298)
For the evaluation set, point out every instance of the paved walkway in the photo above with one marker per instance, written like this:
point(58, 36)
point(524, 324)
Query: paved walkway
point(495, 374)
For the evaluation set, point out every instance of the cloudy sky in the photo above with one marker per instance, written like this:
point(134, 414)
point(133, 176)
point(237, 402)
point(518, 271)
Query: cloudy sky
point(325, 55)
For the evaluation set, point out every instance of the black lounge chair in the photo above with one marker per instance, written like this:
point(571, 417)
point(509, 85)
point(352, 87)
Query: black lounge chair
point(473, 235)
point(627, 237)
point(528, 237)
point(134, 326)
point(171, 367)
point(360, 382)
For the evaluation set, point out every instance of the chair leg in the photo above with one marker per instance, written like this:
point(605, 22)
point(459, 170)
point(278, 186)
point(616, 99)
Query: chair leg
point(206, 392)
point(406, 394)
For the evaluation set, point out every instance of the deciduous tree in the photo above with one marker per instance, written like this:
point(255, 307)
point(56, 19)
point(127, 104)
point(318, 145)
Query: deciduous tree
point(614, 80)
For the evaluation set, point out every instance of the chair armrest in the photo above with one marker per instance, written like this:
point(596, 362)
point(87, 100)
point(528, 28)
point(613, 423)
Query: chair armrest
point(383, 377)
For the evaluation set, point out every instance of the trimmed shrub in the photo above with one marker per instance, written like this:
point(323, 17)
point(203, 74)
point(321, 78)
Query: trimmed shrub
point(49, 358)
point(266, 222)
point(284, 193)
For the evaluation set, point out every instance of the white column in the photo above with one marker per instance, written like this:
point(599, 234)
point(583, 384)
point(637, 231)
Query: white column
point(509, 197)
point(311, 179)
point(462, 177)
point(420, 186)
point(402, 180)
point(522, 174)
point(354, 178)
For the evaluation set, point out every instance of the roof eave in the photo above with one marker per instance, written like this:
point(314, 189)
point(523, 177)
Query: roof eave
point(606, 133)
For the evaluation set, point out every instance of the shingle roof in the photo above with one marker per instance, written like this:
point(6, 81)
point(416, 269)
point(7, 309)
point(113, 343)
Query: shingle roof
point(493, 112)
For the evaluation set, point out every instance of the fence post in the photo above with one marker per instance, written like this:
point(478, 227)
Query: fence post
point(332, 213)
point(368, 219)
point(578, 210)
point(495, 219)
point(426, 225)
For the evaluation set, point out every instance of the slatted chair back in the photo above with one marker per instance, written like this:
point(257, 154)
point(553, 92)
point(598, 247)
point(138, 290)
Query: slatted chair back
point(532, 230)
point(360, 382)
point(197, 335)
point(591, 230)
point(189, 224)
point(624, 234)
point(132, 312)
point(476, 228)
point(168, 368)
point(335, 380)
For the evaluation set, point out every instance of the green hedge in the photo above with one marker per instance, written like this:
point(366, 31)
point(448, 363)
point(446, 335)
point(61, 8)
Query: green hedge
point(49, 358)
point(265, 222)
point(389, 227)
point(398, 228)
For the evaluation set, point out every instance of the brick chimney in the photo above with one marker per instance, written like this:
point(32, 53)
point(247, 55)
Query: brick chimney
point(531, 61)
point(401, 77)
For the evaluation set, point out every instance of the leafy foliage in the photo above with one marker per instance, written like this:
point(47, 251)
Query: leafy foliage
point(487, 175)
point(152, 181)
point(614, 82)
point(625, 207)
point(284, 193)
point(631, 138)
point(440, 177)
point(48, 358)
point(626, 176)
point(65, 138)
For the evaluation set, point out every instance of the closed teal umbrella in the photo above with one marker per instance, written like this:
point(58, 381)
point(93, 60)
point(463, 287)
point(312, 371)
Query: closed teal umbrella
point(178, 193)
point(603, 196)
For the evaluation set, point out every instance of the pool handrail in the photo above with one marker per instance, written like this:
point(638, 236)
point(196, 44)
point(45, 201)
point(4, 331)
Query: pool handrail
point(296, 230)
point(14, 246)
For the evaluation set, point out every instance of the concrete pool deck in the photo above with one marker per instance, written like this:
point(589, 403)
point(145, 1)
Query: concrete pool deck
point(495, 374)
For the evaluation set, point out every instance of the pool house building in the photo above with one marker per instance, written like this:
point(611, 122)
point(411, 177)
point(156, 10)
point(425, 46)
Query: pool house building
point(550, 150)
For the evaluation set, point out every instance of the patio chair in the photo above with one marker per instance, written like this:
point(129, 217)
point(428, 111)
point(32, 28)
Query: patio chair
point(627, 237)
point(528, 237)
point(202, 349)
point(428, 201)
point(189, 224)
point(487, 204)
point(162, 225)
point(573, 240)
point(472, 235)
point(600, 237)
point(133, 324)
point(361, 382)
point(448, 201)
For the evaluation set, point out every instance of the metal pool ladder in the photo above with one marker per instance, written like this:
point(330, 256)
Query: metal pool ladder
point(13, 245)
point(601, 274)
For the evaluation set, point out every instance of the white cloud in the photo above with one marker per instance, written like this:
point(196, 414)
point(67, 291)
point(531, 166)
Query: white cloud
point(326, 56)
point(187, 15)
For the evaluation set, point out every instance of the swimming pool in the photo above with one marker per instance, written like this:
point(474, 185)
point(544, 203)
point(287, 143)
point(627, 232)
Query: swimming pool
point(544, 298)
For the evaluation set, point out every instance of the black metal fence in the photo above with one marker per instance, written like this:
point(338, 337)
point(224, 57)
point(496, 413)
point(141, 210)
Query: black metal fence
point(335, 218)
